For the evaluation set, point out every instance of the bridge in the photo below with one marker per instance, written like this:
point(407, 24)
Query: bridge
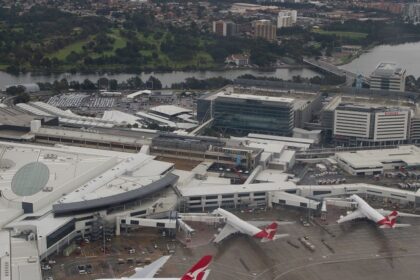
point(334, 70)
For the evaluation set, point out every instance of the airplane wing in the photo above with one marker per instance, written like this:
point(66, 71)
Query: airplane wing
point(400, 214)
point(150, 270)
point(352, 216)
point(226, 231)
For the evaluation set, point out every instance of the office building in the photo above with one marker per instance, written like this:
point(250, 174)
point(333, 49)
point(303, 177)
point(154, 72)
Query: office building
point(265, 29)
point(302, 107)
point(388, 76)
point(360, 124)
point(245, 113)
point(286, 18)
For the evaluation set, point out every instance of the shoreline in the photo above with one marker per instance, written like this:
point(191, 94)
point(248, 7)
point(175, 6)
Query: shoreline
point(355, 56)
point(152, 72)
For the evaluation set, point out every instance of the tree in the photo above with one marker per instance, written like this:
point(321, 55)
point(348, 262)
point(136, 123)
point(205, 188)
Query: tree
point(153, 83)
point(74, 85)
point(22, 97)
point(113, 84)
point(135, 83)
point(15, 90)
point(87, 85)
point(103, 83)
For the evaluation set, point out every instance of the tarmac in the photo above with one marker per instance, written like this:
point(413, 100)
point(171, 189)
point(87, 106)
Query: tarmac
point(354, 250)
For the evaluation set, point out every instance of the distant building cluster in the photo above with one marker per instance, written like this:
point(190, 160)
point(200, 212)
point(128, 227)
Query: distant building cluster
point(263, 27)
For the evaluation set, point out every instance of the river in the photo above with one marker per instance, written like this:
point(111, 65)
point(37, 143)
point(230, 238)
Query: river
point(166, 78)
point(406, 55)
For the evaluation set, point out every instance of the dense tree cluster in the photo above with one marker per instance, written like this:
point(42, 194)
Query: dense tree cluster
point(193, 83)
point(133, 83)
point(27, 38)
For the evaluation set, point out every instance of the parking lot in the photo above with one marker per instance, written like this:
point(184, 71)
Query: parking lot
point(122, 255)
point(335, 175)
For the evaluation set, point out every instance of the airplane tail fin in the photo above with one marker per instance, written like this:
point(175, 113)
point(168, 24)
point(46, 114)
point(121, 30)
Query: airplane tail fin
point(392, 216)
point(199, 270)
point(390, 220)
point(268, 233)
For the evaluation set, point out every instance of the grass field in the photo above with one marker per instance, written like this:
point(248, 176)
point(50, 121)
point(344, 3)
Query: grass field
point(77, 46)
point(64, 52)
point(343, 34)
point(200, 60)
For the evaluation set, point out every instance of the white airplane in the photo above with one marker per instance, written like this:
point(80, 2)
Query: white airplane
point(199, 271)
point(383, 218)
point(235, 225)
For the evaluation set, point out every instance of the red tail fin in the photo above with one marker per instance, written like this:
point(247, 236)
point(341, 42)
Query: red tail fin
point(268, 233)
point(392, 216)
point(271, 230)
point(198, 271)
point(389, 221)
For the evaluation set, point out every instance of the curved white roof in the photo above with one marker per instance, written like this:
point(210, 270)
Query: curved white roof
point(170, 110)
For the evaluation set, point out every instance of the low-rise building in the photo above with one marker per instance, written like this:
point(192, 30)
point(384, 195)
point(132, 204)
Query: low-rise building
point(371, 162)
point(238, 59)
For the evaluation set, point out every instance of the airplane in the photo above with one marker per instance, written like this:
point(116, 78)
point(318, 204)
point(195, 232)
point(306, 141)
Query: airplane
point(383, 218)
point(235, 225)
point(199, 271)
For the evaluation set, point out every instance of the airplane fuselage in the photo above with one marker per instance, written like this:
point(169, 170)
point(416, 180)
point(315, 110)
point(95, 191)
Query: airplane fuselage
point(367, 210)
point(238, 224)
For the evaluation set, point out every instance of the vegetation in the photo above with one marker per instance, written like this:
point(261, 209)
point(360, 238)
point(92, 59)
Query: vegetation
point(412, 84)
point(193, 83)
point(342, 34)
point(49, 40)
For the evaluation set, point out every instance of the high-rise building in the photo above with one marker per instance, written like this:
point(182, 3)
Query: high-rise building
point(286, 18)
point(218, 27)
point(388, 76)
point(358, 124)
point(224, 28)
point(265, 29)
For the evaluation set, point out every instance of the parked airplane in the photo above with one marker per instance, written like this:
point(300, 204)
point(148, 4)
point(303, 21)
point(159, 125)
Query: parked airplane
point(383, 218)
point(235, 225)
point(199, 271)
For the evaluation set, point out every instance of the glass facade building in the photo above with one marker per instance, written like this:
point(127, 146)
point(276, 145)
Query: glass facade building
point(242, 114)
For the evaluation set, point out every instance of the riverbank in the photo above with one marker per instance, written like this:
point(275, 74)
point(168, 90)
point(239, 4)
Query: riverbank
point(405, 55)
point(167, 78)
